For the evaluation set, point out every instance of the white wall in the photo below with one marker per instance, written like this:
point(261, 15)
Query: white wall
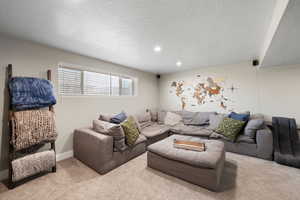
point(30, 59)
point(273, 91)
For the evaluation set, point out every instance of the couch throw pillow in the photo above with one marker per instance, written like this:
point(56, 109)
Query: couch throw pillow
point(230, 128)
point(172, 119)
point(114, 130)
point(215, 120)
point(131, 131)
point(252, 126)
point(119, 118)
point(240, 116)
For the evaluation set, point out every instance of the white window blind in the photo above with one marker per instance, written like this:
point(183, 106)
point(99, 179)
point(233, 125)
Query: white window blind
point(115, 85)
point(79, 82)
point(126, 87)
point(96, 83)
point(69, 81)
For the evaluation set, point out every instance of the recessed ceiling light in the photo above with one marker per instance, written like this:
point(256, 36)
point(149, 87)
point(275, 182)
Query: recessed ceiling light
point(157, 49)
point(178, 63)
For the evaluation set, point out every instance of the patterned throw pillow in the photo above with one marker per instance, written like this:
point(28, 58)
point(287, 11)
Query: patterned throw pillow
point(230, 128)
point(131, 131)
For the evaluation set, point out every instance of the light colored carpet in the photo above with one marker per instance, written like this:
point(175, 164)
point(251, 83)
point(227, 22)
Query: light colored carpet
point(244, 178)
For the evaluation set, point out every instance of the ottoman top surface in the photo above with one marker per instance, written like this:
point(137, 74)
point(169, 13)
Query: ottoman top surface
point(206, 159)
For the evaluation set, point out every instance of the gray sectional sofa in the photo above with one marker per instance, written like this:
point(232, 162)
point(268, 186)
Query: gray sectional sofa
point(97, 150)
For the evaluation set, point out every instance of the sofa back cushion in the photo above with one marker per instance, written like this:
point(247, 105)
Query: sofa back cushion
point(187, 116)
point(131, 131)
point(143, 117)
point(154, 115)
point(143, 120)
point(161, 116)
point(114, 130)
point(194, 118)
point(252, 126)
point(201, 118)
point(172, 119)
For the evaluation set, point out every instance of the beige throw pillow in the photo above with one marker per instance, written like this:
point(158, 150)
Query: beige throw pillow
point(172, 119)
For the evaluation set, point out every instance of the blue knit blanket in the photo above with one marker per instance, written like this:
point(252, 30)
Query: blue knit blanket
point(30, 93)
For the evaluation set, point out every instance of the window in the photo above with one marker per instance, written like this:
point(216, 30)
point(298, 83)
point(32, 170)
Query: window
point(79, 82)
point(126, 86)
point(96, 83)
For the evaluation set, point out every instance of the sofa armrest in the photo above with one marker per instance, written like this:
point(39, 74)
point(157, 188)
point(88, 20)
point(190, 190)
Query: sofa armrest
point(264, 140)
point(92, 148)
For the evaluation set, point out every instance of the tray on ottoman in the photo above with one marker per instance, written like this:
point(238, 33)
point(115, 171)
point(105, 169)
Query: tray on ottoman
point(201, 168)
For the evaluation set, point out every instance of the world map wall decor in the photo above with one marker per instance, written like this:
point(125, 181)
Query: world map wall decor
point(204, 91)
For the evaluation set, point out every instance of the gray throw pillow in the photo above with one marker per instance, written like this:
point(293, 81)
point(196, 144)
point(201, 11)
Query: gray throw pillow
point(114, 130)
point(215, 120)
point(252, 127)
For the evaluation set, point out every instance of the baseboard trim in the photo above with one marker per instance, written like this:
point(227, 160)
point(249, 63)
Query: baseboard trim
point(64, 155)
point(59, 157)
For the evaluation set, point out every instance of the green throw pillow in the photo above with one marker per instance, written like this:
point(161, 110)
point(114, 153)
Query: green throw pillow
point(230, 128)
point(130, 130)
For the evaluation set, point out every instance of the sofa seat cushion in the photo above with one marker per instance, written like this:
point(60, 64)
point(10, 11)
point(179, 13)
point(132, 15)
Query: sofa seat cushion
point(207, 159)
point(140, 139)
point(191, 130)
point(240, 138)
point(155, 130)
point(246, 139)
point(217, 136)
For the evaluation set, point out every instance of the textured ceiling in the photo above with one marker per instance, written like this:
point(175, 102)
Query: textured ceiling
point(285, 46)
point(197, 32)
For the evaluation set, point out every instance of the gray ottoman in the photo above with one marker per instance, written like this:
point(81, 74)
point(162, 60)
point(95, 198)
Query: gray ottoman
point(201, 168)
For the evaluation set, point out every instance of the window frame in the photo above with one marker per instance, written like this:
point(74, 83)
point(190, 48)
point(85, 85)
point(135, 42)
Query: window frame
point(82, 69)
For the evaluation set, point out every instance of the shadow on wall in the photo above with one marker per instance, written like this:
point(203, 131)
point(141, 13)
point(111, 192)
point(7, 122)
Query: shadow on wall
point(5, 127)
